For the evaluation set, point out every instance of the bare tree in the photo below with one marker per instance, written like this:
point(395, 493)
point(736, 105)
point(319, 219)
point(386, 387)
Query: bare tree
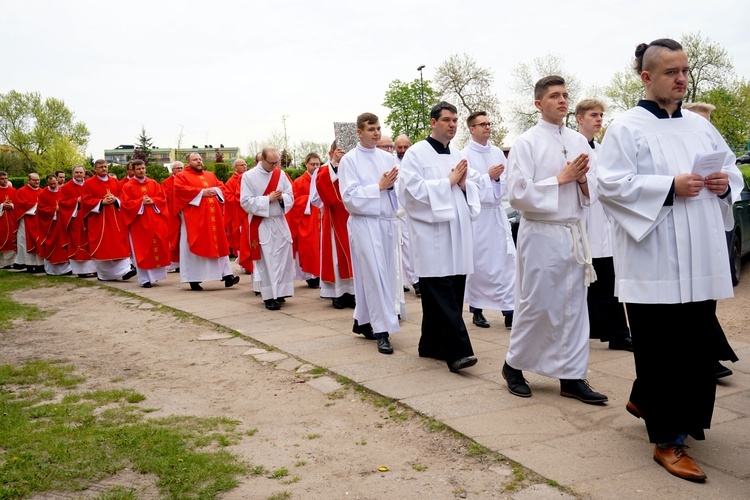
point(462, 82)
point(624, 90)
point(525, 76)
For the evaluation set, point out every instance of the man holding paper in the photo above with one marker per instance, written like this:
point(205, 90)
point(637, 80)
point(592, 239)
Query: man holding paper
point(670, 250)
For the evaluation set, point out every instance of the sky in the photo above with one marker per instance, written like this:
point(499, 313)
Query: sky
point(227, 72)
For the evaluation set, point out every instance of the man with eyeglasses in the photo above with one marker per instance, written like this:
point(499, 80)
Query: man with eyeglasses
point(266, 195)
point(27, 223)
point(204, 250)
point(492, 284)
point(304, 224)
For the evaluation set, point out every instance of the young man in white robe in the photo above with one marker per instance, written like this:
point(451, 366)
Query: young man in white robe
point(440, 193)
point(492, 285)
point(273, 272)
point(402, 144)
point(607, 320)
point(670, 250)
point(550, 184)
point(366, 178)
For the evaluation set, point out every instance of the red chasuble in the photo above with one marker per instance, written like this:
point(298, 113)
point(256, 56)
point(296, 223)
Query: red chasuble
point(78, 243)
point(26, 198)
point(205, 222)
point(233, 212)
point(53, 240)
point(149, 230)
point(305, 229)
point(8, 220)
point(334, 222)
point(167, 186)
point(107, 232)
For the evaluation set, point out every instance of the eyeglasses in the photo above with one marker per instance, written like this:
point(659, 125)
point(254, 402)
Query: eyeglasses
point(272, 163)
point(483, 125)
point(387, 148)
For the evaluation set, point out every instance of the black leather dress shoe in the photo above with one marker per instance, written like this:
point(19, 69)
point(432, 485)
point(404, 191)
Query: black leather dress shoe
point(272, 305)
point(365, 330)
point(462, 363)
point(280, 300)
point(384, 346)
point(313, 282)
point(230, 280)
point(581, 390)
point(516, 383)
point(147, 285)
point(338, 303)
point(480, 320)
point(349, 300)
point(196, 286)
point(417, 291)
point(621, 344)
point(129, 274)
point(722, 371)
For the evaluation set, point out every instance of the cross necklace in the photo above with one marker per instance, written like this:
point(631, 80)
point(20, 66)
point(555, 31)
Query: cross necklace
point(560, 140)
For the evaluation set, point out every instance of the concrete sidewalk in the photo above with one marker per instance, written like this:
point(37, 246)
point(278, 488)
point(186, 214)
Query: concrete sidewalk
point(601, 452)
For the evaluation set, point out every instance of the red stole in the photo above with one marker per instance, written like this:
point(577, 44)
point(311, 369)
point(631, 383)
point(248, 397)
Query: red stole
point(255, 220)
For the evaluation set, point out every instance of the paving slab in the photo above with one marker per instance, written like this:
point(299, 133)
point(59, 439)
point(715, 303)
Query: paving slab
point(254, 351)
point(324, 384)
point(288, 364)
point(541, 492)
point(270, 357)
point(214, 336)
point(421, 379)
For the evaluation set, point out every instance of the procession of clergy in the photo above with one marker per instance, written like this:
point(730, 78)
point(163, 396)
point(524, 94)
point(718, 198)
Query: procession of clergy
point(628, 222)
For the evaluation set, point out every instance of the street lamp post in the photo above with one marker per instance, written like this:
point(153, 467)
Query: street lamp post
point(421, 85)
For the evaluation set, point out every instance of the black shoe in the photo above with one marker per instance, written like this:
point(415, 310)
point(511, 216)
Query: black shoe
point(230, 280)
point(129, 274)
point(462, 363)
point(31, 269)
point(621, 344)
point(147, 285)
point(84, 275)
point(417, 292)
point(280, 300)
point(313, 282)
point(517, 385)
point(406, 288)
point(19, 266)
point(257, 293)
point(581, 390)
point(177, 269)
point(272, 305)
point(479, 319)
point(196, 286)
point(349, 300)
point(338, 303)
point(384, 346)
point(365, 330)
point(509, 321)
point(9, 266)
point(722, 371)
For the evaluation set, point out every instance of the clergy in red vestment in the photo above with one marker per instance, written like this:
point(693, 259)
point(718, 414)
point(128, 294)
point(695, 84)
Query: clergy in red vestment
point(304, 223)
point(336, 261)
point(167, 186)
point(28, 227)
point(53, 239)
point(75, 227)
point(129, 174)
point(7, 222)
point(105, 226)
point(233, 212)
point(144, 208)
point(204, 251)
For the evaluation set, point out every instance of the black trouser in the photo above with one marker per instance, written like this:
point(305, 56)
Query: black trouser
point(444, 334)
point(606, 313)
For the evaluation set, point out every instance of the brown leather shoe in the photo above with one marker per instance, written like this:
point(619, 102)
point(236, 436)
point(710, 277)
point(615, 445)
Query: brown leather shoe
point(678, 463)
point(633, 409)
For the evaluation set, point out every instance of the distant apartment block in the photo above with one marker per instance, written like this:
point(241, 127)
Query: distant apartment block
point(124, 153)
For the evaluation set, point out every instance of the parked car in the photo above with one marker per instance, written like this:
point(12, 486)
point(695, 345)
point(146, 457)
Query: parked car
point(739, 238)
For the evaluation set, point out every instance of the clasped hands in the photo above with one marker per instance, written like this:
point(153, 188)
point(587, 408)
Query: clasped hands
point(575, 170)
point(690, 185)
point(388, 179)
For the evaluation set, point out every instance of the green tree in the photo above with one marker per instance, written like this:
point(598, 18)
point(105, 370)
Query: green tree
point(42, 132)
point(143, 146)
point(732, 114)
point(407, 115)
point(525, 115)
point(468, 86)
point(624, 90)
point(710, 65)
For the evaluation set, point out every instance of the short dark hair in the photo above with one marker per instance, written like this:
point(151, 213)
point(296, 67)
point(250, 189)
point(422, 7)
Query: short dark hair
point(3, 174)
point(543, 84)
point(134, 163)
point(659, 45)
point(333, 146)
point(438, 108)
point(474, 116)
point(366, 119)
point(310, 156)
point(58, 172)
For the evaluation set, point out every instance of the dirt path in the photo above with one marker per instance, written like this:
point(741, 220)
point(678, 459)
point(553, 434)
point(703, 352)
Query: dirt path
point(332, 443)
